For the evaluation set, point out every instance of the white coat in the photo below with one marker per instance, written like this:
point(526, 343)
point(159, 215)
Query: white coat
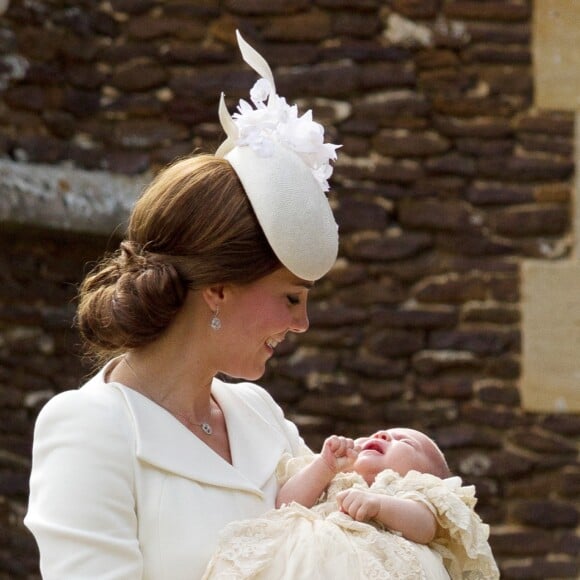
point(121, 490)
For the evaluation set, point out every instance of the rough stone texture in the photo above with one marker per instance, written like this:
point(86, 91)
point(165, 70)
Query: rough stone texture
point(65, 199)
point(449, 177)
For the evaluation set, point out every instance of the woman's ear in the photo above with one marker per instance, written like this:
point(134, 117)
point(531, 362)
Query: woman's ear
point(214, 296)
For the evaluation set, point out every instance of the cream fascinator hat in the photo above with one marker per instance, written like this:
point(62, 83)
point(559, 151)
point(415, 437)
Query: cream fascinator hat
point(283, 164)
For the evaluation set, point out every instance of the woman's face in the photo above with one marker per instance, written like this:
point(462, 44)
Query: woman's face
point(256, 318)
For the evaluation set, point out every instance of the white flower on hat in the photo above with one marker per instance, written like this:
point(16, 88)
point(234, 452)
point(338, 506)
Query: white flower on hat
point(278, 122)
point(260, 92)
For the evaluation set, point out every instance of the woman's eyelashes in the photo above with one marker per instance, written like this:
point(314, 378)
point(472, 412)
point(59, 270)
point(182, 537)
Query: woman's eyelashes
point(293, 300)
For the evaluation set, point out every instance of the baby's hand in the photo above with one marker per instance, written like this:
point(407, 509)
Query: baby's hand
point(358, 504)
point(339, 453)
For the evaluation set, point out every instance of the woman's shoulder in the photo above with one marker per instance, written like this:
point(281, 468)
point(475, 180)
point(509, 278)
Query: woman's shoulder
point(94, 406)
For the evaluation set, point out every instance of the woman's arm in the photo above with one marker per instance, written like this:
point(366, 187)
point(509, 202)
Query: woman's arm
point(409, 517)
point(82, 506)
point(338, 454)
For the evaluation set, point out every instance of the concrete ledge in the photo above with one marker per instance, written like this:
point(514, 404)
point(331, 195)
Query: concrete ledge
point(66, 199)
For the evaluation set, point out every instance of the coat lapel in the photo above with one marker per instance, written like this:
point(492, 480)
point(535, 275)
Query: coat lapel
point(256, 441)
point(162, 441)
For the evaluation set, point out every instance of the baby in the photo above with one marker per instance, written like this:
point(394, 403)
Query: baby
point(398, 449)
point(382, 506)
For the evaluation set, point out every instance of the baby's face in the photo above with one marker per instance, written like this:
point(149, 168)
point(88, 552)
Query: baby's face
point(399, 449)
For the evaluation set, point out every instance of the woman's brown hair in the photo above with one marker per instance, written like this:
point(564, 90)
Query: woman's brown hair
point(192, 227)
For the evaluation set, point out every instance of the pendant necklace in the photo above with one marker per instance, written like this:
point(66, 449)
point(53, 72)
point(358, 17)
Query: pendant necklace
point(204, 425)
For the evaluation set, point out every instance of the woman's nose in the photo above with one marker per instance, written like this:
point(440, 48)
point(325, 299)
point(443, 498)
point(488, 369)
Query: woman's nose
point(300, 322)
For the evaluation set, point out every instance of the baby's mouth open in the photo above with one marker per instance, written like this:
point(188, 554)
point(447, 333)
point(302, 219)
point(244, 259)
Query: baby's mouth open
point(374, 445)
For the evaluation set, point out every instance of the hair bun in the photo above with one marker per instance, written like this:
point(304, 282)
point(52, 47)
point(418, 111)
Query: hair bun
point(130, 299)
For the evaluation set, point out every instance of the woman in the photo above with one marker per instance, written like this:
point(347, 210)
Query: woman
point(136, 472)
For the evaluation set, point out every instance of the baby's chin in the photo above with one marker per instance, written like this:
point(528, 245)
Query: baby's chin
point(367, 470)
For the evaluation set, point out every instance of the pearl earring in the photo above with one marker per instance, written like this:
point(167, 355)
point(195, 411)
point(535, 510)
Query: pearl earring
point(216, 323)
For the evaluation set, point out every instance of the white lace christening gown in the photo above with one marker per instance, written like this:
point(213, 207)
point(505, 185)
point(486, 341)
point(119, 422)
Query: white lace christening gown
point(321, 543)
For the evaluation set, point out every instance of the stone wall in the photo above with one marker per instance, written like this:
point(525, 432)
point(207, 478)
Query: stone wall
point(448, 179)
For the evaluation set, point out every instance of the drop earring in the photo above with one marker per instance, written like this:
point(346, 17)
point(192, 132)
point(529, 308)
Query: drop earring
point(216, 323)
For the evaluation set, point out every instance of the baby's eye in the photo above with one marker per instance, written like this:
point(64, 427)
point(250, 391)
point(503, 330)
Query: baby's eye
point(293, 300)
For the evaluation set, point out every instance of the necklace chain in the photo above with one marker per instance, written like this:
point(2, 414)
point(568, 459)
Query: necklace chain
point(204, 425)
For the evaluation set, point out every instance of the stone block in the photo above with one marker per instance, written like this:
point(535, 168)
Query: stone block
point(565, 424)
point(536, 220)
point(132, 6)
point(451, 289)
point(508, 80)
point(556, 62)
point(451, 164)
point(391, 104)
point(551, 333)
point(462, 435)
point(149, 28)
point(469, 107)
point(314, 25)
point(435, 215)
point(436, 58)
point(497, 417)
point(543, 442)
point(446, 388)
point(561, 146)
point(398, 246)
point(493, 193)
point(498, 54)
point(265, 7)
point(491, 392)
point(432, 362)
point(526, 168)
point(479, 243)
point(355, 24)
point(547, 514)
point(479, 127)
point(146, 133)
point(521, 542)
point(482, 342)
point(403, 143)
point(499, 32)
point(502, 11)
point(395, 343)
point(506, 367)
point(555, 123)
point(352, 215)
point(384, 291)
point(427, 317)
point(322, 80)
point(384, 390)
point(386, 75)
point(323, 315)
point(373, 366)
point(416, 8)
point(138, 76)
